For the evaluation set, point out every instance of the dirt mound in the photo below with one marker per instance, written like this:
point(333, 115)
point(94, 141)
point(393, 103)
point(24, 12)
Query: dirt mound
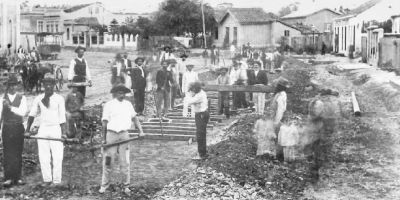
point(236, 157)
point(386, 93)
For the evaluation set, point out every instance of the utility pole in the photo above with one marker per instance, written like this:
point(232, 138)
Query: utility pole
point(204, 25)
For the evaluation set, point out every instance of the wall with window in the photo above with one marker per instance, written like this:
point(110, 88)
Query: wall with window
point(321, 20)
point(396, 24)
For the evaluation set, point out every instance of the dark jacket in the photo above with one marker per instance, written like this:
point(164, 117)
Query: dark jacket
point(261, 77)
point(163, 79)
point(138, 81)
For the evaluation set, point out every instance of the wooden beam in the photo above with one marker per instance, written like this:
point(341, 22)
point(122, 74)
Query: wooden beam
point(239, 88)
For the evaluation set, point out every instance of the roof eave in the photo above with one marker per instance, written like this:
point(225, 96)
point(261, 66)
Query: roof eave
point(255, 23)
point(345, 17)
point(284, 18)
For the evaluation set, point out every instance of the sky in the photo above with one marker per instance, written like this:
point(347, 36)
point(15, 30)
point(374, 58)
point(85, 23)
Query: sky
point(143, 6)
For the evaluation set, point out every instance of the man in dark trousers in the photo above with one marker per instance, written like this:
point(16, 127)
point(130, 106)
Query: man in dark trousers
point(258, 77)
point(139, 84)
point(197, 98)
point(12, 109)
point(79, 70)
point(163, 80)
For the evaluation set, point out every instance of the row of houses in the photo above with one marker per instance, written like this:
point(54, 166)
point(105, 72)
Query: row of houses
point(357, 31)
point(242, 26)
point(84, 24)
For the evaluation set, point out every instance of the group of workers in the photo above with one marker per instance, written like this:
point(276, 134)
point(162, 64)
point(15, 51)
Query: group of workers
point(174, 79)
point(118, 116)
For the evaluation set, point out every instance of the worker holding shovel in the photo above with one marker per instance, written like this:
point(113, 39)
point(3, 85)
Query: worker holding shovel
point(52, 125)
point(12, 108)
point(117, 118)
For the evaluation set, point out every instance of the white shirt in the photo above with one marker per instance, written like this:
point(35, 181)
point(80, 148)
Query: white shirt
point(21, 110)
point(71, 72)
point(167, 56)
point(198, 102)
point(119, 115)
point(51, 116)
point(236, 75)
point(141, 69)
point(181, 66)
point(187, 79)
point(280, 99)
point(256, 72)
point(118, 65)
point(232, 48)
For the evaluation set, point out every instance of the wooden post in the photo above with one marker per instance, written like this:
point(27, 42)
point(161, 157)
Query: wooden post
point(356, 107)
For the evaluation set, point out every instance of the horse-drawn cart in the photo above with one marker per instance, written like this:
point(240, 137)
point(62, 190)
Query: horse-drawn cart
point(49, 51)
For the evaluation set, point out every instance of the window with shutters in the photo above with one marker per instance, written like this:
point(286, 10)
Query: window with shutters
point(286, 33)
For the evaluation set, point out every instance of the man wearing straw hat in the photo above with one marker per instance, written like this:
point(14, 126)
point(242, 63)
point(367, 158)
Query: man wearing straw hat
point(52, 125)
point(12, 109)
point(79, 70)
point(139, 75)
point(117, 118)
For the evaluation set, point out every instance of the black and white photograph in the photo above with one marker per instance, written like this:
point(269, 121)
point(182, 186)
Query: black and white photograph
point(200, 99)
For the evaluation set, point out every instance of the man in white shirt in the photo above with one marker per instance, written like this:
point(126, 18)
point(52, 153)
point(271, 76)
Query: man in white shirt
point(13, 108)
point(21, 52)
point(199, 102)
point(117, 118)
point(181, 70)
point(128, 70)
point(79, 70)
point(189, 77)
point(238, 76)
point(35, 55)
point(167, 54)
point(52, 125)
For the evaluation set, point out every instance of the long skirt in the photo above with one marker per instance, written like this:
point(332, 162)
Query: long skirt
point(13, 142)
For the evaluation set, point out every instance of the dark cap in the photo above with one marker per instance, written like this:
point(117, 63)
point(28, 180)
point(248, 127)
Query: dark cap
point(79, 48)
point(120, 88)
point(139, 58)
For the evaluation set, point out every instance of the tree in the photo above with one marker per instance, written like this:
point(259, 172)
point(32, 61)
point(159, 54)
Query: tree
point(175, 17)
point(288, 9)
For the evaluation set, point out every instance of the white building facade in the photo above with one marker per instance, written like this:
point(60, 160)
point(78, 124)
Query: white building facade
point(351, 28)
point(9, 23)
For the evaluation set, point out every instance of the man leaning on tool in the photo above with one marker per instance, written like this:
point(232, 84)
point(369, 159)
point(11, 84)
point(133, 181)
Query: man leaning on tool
point(13, 108)
point(79, 70)
point(52, 125)
point(118, 115)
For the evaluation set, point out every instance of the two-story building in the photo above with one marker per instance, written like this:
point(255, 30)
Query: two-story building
point(41, 25)
point(10, 23)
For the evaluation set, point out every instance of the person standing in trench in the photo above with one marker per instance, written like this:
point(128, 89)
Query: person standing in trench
point(278, 108)
point(198, 100)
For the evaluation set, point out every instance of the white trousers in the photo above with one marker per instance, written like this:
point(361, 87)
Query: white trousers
point(128, 81)
point(259, 102)
point(50, 150)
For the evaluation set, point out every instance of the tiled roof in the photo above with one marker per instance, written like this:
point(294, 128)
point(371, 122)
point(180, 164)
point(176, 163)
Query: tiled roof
point(363, 7)
point(219, 14)
point(87, 21)
point(305, 29)
point(306, 11)
point(77, 7)
point(250, 15)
